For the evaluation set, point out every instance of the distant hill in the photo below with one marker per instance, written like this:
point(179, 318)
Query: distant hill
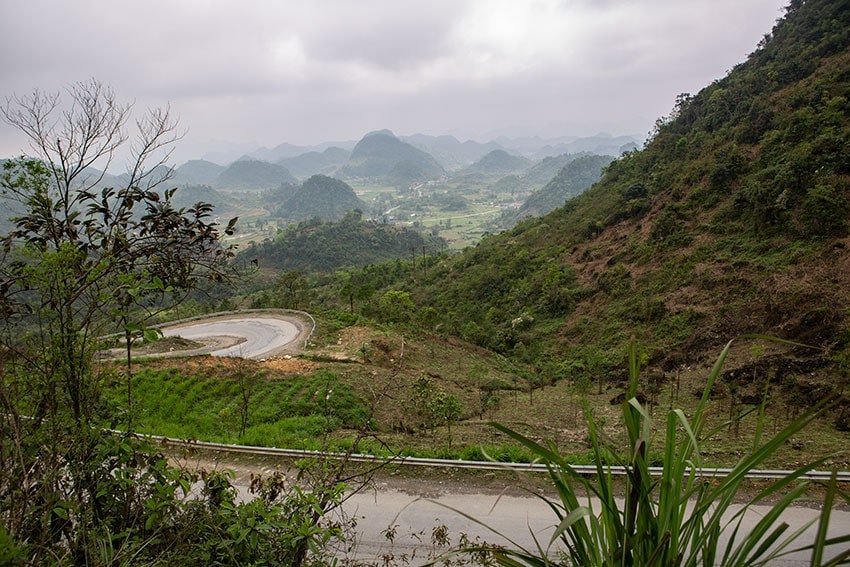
point(380, 154)
point(311, 163)
point(601, 144)
point(498, 162)
point(449, 151)
point(252, 175)
point(538, 148)
point(198, 171)
point(531, 179)
point(278, 153)
point(314, 245)
point(321, 197)
point(543, 171)
point(286, 151)
point(572, 180)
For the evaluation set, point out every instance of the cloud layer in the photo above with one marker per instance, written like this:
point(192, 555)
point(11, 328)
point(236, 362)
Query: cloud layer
point(269, 71)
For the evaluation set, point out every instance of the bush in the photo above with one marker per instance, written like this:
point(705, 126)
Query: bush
point(824, 211)
point(678, 518)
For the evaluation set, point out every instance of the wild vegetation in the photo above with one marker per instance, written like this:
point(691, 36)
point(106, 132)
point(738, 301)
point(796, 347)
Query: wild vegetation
point(712, 231)
point(80, 263)
point(733, 220)
point(317, 246)
point(676, 518)
point(319, 197)
point(571, 180)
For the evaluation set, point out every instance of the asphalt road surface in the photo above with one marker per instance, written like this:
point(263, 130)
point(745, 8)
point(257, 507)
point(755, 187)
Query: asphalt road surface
point(414, 518)
point(245, 337)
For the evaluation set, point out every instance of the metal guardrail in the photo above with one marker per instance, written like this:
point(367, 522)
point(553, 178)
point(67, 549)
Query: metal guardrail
point(842, 476)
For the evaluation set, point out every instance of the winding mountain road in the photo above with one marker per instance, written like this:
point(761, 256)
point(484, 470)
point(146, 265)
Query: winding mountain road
point(246, 336)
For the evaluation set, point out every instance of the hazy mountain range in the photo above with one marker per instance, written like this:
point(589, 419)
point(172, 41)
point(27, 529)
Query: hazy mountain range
point(382, 156)
point(450, 152)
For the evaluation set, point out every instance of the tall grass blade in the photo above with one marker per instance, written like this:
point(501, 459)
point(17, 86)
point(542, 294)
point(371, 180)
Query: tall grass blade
point(823, 524)
point(679, 518)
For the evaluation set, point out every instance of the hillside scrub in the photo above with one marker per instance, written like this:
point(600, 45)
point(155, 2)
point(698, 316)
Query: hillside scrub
point(677, 517)
point(731, 220)
point(82, 262)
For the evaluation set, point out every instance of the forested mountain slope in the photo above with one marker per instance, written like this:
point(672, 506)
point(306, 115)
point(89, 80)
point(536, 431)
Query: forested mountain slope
point(571, 180)
point(320, 196)
point(498, 162)
point(382, 155)
point(732, 220)
point(252, 175)
point(315, 245)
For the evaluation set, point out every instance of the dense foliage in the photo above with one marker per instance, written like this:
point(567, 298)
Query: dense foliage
point(732, 219)
point(314, 245)
point(320, 197)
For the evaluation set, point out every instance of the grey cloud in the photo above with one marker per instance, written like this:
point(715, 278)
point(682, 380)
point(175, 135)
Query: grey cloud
point(393, 35)
point(272, 71)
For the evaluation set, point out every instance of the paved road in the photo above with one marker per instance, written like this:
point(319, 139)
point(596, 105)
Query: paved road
point(514, 517)
point(242, 336)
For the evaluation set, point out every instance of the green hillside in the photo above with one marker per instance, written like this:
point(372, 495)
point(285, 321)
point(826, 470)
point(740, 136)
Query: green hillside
point(321, 197)
point(382, 155)
point(499, 162)
point(317, 246)
point(546, 169)
point(732, 220)
point(574, 178)
point(252, 175)
point(198, 172)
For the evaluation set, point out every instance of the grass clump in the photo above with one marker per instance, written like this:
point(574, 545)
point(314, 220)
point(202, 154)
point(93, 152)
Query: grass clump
point(679, 517)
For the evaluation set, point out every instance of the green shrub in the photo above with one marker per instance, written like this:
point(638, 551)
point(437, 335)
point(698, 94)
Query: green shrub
point(674, 519)
point(824, 211)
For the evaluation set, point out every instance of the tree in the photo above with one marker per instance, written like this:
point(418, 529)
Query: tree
point(446, 408)
point(81, 261)
point(288, 285)
point(396, 306)
point(90, 254)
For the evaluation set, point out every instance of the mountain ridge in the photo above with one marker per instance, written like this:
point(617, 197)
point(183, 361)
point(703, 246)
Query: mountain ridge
point(732, 220)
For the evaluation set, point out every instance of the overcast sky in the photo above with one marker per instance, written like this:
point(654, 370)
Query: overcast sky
point(261, 72)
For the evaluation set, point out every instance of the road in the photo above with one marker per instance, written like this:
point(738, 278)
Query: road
point(516, 517)
point(414, 513)
point(240, 336)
